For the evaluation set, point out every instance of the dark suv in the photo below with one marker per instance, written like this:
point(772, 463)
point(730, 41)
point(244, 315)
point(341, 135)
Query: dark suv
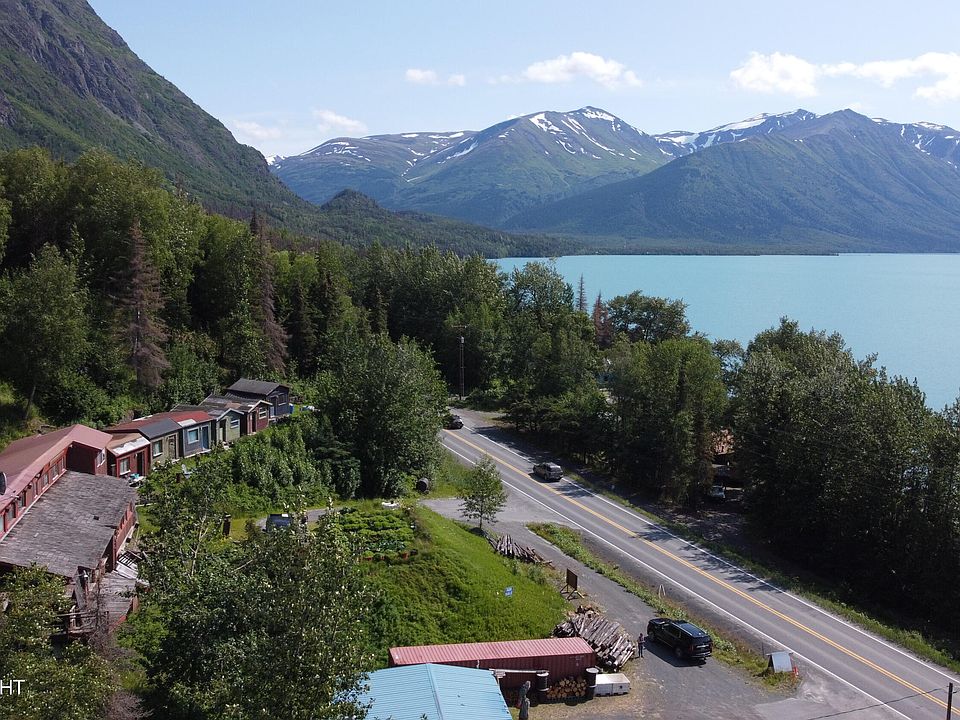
point(452, 422)
point(687, 640)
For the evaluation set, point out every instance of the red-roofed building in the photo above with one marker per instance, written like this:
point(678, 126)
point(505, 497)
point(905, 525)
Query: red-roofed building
point(171, 436)
point(30, 466)
point(561, 657)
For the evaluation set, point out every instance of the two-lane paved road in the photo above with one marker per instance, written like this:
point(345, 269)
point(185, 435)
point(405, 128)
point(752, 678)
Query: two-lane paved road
point(885, 674)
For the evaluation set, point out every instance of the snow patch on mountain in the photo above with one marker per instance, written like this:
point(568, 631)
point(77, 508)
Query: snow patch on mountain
point(461, 153)
point(540, 120)
point(595, 114)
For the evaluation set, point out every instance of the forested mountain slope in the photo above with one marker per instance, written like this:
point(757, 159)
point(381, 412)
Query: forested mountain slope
point(836, 183)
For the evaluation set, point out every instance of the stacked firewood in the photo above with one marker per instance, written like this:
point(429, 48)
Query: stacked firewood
point(613, 645)
point(570, 687)
point(504, 545)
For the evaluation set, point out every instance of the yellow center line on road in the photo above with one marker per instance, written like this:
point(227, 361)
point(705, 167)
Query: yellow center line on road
point(722, 583)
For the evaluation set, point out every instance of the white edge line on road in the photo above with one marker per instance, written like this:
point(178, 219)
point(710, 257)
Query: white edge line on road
point(688, 590)
point(876, 638)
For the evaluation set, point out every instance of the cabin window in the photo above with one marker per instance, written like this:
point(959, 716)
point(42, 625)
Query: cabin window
point(45, 479)
point(22, 500)
point(9, 513)
point(101, 457)
point(125, 466)
point(263, 413)
point(158, 448)
point(235, 423)
point(193, 435)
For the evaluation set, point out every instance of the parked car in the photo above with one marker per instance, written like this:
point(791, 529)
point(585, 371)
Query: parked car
point(452, 422)
point(717, 493)
point(281, 521)
point(548, 471)
point(686, 639)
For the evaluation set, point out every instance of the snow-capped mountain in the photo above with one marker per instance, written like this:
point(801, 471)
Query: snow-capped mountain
point(836, 182)
point(488, 176)
point(939, 141)
point(680, 142)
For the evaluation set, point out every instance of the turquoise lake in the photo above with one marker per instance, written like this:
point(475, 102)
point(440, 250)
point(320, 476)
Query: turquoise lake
point(904, 308)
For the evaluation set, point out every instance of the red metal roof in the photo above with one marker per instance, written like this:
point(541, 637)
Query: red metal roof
point(22, 459)
point(177, 417)
point(196, 415)
point(415, 655)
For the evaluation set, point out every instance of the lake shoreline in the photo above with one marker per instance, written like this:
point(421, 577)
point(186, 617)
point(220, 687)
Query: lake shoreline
point(901, 306)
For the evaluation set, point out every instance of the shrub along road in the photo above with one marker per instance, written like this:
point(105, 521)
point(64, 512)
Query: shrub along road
point(878, 672)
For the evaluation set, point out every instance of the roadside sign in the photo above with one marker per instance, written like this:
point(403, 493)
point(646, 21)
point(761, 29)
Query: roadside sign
point(571, 579)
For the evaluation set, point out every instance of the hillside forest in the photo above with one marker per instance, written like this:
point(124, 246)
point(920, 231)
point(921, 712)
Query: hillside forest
point(121, 295)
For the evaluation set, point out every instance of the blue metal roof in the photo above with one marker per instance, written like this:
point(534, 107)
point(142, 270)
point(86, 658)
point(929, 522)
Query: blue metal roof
point(439, 692)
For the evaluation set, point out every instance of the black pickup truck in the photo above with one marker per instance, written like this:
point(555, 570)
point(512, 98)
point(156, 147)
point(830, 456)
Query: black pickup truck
point(687, 640)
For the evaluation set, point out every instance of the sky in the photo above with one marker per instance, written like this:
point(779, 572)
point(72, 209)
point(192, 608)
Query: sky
point(286, 75)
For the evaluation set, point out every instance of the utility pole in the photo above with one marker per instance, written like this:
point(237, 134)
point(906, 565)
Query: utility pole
point(950, 702)
point(462, 329)
point(461, 367)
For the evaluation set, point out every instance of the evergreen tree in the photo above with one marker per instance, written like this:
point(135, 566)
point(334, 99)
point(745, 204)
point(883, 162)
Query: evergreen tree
point(601, 324)
point(274, 336)
point(141, 328)
point(582, 297)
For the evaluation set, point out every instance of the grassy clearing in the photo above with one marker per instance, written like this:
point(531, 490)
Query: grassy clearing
point(452, 591)
point(728, 651)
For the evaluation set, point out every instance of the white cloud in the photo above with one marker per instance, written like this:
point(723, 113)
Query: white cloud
point(253, 131)
point(778, 72)
point(418, 76)
point(330, 122)
point(943, 66)
point(792, 75)
point(565, 68)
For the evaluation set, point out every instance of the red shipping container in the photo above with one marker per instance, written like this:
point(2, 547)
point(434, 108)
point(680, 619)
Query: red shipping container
point(561, 657)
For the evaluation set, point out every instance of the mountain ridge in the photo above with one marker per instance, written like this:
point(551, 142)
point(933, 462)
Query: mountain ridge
point(836, 181)
point(494, 175)
point(491, 173)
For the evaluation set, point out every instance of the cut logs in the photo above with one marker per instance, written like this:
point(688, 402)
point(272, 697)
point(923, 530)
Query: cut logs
point(613, 645)
point(570, 687)
point(504, 545)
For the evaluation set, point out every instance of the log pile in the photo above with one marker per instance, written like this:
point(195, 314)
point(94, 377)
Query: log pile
point(504, 545)
point(570, 687)
point(613, 645)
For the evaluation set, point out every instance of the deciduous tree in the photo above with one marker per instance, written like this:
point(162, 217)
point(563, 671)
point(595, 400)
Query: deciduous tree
point(43, 314)
point(482, 495)
point(643, 318)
